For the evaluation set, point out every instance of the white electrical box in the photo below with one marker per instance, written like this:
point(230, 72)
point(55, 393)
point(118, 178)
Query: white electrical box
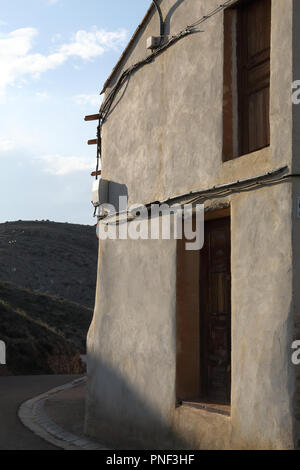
point(100, 192)
point(153, 42)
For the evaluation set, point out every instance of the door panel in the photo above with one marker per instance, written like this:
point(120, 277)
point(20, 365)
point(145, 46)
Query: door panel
point(215, 312)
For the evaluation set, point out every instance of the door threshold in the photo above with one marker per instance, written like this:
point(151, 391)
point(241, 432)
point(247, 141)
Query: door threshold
point(211, 407)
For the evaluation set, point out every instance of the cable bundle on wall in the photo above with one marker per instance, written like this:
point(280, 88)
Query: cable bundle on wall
point(107, 104)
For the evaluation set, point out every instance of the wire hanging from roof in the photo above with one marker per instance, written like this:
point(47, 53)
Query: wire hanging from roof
point(212, 13)
point(162, 23)
point(107, 103)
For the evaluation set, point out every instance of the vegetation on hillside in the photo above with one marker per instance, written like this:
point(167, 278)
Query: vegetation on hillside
point(55, 258)
point(43, 334)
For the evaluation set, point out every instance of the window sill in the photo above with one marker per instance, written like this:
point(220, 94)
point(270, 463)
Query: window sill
point(224, 410)
point(247, 166)
point(253, 154)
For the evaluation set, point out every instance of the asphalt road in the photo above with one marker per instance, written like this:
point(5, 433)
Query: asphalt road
point(13, 392)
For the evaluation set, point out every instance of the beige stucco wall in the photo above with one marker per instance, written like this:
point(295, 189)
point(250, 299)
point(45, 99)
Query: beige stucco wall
point(132, 365)
point(167, 128)
point(262, 386)
point(295, 326)
point(296, 221)
point(164, 138)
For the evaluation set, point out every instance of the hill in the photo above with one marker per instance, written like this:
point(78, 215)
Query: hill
point(43, 334)
point(55, 258)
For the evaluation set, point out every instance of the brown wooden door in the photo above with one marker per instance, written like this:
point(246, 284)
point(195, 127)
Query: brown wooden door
point(215, 312)
point(254, 42)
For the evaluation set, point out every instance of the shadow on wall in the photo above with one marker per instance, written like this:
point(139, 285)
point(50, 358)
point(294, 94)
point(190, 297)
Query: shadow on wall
point(169, 16)
point(122, 419)
point(115, 191)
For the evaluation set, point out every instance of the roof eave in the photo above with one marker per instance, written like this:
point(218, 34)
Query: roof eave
point(127, 49)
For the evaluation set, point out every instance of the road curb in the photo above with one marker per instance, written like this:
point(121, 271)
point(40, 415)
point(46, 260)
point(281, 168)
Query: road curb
point(33, 416)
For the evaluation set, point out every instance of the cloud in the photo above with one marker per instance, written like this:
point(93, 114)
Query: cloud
point(6, 145)
point(93, 100)
point(88, 45)
point(42, 95)
point(3, 23)
point(17, 59)
point(57, 37)
point(60, 165)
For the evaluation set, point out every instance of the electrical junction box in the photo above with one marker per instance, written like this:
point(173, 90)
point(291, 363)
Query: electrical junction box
point(153, 42)
point(100, 192)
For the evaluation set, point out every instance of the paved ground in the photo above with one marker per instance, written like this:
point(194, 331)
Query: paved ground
point(13, 392)
point(72, 400)
point(57, 416)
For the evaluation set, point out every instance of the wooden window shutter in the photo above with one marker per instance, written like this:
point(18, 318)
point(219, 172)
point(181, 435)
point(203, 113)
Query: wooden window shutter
point(254, 43)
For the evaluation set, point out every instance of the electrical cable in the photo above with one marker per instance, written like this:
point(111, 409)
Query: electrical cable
point(107, 103)
point(273, 177)
point(212, 13)
point(162, 24)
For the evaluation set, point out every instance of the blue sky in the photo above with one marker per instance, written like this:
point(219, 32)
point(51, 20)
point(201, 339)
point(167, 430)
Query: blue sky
point(54, 57)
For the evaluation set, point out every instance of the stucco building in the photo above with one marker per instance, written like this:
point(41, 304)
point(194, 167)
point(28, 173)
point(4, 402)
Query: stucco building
point(193, 348)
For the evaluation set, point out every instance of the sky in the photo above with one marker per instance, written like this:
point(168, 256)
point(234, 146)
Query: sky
point(55, 55)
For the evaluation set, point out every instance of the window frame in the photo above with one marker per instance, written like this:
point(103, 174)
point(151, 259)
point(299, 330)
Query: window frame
point(236, 129)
